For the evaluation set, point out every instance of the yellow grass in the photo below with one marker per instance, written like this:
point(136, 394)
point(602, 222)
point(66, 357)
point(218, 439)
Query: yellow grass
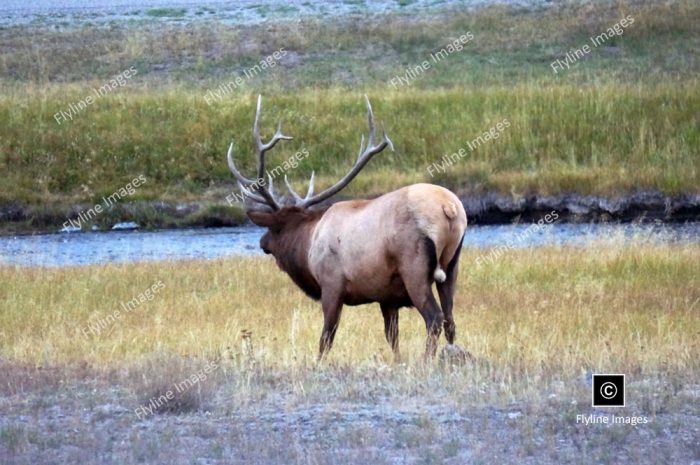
point(544, 312)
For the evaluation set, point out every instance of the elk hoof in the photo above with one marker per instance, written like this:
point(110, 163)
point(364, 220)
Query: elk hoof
point(453, 355)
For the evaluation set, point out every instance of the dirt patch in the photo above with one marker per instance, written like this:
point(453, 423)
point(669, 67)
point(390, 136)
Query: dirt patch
point(88, 421)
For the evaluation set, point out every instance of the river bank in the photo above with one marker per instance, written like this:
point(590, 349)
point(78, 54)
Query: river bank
point(482, 209)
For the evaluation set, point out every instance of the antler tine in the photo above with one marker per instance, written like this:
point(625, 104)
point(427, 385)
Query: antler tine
point(258, 141)
point(278, 136)
point(247, 185)
point(366, 153)
point(232, 166)
point(310, 192)
point(243, 183)
point(362, 148)
point(261, 147)
point(256, 122)
point(272, 186)
point(250, 195)
point(297, 197)
point(370, 121)
point(385, 138)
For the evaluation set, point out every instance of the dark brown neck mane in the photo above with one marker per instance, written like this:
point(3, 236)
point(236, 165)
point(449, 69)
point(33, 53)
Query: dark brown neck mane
point(292, 247)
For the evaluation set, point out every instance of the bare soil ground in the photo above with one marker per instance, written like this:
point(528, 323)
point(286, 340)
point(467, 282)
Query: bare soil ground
point(91, 420)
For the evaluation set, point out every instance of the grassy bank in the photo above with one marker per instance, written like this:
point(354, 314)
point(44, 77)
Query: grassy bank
point(604, 140)
point(620, 120)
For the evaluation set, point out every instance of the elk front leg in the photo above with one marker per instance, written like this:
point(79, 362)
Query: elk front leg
point(332, 307)
point(391, 329)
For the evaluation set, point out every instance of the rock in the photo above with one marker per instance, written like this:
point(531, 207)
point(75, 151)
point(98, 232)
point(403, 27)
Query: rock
point(493, 208)
point(125, 226)
point(453, 355)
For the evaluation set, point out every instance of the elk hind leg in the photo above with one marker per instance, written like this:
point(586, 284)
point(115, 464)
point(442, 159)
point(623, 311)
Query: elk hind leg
point(417, 274)
point(446, 292)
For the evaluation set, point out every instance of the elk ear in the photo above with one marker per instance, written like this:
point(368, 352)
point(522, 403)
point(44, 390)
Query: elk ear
point(264, 219)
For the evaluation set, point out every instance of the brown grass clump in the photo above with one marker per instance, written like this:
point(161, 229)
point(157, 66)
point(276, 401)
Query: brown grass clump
point(168, 383)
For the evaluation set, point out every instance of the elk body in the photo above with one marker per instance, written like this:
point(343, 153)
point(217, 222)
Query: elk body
point(388, 250)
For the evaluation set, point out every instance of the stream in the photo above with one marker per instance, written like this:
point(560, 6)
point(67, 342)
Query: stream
point(85, 248)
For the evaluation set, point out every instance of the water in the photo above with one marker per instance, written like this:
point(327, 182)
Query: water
point(67, 249)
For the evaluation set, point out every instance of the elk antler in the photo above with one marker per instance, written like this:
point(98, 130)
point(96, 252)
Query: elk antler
point(297, 198)
point(255, 189)
point(366, 153)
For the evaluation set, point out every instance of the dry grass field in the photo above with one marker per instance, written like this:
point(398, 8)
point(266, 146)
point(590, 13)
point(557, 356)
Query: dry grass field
point(536, 321)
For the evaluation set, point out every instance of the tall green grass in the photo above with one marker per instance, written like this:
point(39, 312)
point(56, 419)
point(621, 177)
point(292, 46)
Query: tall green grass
point(562, 138)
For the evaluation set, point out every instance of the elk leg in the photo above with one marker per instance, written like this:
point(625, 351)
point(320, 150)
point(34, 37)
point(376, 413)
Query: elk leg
point(421, 295)
point(446, 292)
point(417, 274)
point(432, 314)
point(332, 307)
point(391, 329)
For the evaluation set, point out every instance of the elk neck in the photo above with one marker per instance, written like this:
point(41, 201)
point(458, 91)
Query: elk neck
point(292, 248)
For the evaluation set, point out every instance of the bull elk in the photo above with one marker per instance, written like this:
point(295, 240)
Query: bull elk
point(387, 250)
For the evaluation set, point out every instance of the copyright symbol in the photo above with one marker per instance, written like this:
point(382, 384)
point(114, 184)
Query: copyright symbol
point(608, 390)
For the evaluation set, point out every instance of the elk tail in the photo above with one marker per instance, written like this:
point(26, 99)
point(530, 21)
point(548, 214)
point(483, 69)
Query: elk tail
point(450, 211)
point(435, 272)
point(439, 275)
